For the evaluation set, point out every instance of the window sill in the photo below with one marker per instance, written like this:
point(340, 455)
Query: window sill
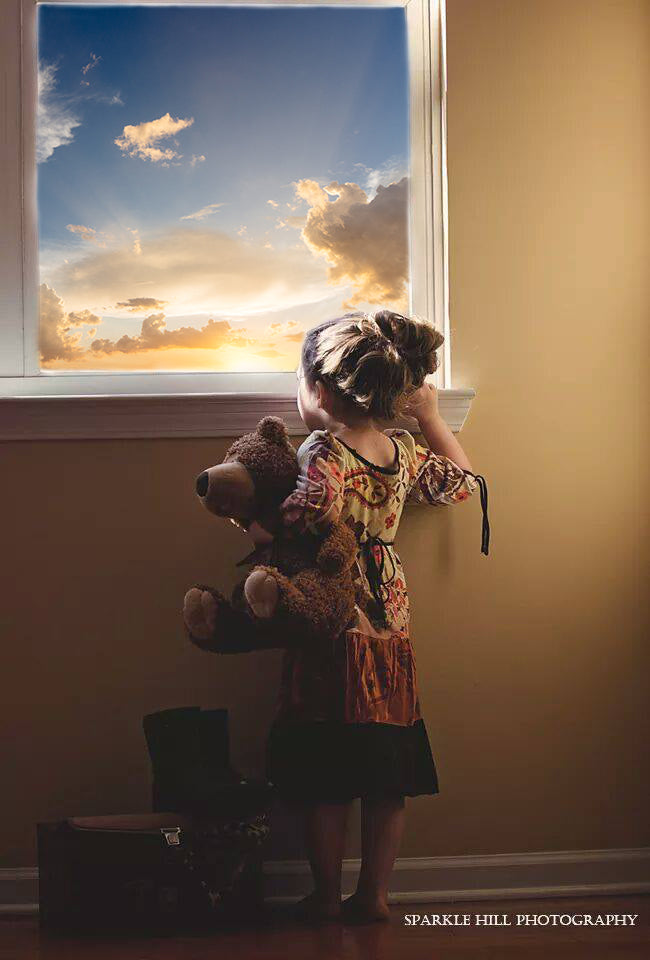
point(136, 416)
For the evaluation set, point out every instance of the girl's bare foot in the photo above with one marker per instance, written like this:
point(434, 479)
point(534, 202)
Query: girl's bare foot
point(314, 908)
point(363, 909)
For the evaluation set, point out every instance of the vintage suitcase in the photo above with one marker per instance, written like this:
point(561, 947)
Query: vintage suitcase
point(153, 872)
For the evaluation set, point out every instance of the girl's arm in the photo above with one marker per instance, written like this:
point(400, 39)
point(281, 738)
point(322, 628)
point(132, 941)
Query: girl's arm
point(423, 405)
point(444, 473)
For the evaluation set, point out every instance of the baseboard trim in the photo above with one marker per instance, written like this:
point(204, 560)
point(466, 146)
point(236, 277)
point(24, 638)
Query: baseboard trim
point(18, 891)
point(506, 893)
point(501, 876)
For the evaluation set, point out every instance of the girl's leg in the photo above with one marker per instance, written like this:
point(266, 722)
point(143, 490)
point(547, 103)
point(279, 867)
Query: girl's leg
point(382, 823)
point(324, 830)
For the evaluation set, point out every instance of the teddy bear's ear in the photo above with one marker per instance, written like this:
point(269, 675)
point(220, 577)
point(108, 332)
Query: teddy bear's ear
point(273, 429)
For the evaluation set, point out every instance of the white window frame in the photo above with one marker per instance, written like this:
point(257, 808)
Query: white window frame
point(35, 403)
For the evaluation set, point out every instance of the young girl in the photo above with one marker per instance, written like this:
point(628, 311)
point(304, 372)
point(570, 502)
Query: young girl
point(349, 722)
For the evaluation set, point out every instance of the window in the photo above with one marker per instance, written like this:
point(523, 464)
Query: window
point(260, 139)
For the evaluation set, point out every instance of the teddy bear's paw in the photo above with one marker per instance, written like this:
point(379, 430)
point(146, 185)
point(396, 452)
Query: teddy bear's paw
point(200, 613)
point(262, 594)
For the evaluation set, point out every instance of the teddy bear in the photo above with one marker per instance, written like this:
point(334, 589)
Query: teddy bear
point(301, 587)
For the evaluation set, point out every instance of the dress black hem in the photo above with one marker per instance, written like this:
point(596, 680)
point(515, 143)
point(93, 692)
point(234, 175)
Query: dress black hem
point(336, 762)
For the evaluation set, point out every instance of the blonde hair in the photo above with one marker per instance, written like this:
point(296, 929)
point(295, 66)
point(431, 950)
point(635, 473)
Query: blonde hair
point(373, 361)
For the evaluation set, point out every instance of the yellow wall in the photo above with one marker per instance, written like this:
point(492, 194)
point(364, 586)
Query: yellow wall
point(533, 662)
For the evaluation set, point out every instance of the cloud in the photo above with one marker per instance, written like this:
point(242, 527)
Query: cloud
point(135, 304)
point(391, 171)
point(364, 242)
point(280, 327)
point(137, 247)
point(86, 233)
point(283, 222)
point(56, 118)
point(203, 212)
point(198, 269)
point(91, 63)
point(288, 330)
point(155, 336)
point(58, 115)
point(197, 158)
point(81, 317)
point(268, 352)
point(273, 203)
point(58, 338)
point(139, 140)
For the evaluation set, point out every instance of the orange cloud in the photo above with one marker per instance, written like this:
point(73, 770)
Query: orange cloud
point(137, 247)
point(286, 331)
point(58, 339)
point(135, 304)
point(364, 242)
point(86, 233)
point(94, 60)
point(141, 139)
point(155, 336)
point(280, 328)
point(268, 352)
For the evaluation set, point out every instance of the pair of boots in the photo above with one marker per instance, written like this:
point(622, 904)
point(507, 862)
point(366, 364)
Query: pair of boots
point(190, 759)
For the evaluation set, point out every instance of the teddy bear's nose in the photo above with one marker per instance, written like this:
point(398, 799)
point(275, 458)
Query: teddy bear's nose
point(202, 483)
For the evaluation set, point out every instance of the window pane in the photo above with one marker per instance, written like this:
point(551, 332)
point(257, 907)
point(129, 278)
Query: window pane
point(213, 181)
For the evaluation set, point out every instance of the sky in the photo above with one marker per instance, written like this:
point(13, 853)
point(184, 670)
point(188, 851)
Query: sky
point(212, 181)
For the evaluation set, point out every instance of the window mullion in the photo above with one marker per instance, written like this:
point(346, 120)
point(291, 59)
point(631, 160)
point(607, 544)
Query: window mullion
point(11, 268)
point(29, 110)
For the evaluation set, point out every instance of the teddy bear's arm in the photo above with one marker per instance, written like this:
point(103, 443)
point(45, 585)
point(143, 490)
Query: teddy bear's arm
point(213, 624)
point(217, 625)
point(338, 550)
point(311, 605)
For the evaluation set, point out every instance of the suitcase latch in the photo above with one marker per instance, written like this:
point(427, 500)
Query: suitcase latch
point(172, 835)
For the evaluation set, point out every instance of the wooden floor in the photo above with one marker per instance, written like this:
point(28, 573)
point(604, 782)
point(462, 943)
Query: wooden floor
point(277, 937)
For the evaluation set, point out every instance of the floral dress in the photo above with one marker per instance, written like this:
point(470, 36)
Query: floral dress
point(364, 687)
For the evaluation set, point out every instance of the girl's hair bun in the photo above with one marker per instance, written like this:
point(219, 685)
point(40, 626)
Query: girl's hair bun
point(415, 340)
point(371, 360)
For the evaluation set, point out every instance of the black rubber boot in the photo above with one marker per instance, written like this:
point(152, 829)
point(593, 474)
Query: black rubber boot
point(174, 749)
point(247, 794)
point(189, 776)
point(215, 741)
